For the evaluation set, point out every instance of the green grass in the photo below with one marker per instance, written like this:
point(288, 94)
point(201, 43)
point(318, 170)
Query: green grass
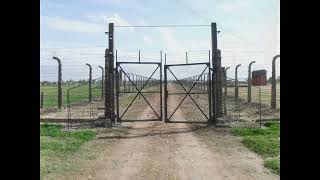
point(264, 142)
point(56, 145)
point(273, 164)
point(79, 94)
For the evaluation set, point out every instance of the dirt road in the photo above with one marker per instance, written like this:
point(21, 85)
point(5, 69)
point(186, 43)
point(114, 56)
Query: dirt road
point(155, 150)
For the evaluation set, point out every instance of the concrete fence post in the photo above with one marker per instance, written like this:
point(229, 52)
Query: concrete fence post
point(249, 81)
point(90, 81)
point(274, 84)
point(236, 83)
point(59, 82)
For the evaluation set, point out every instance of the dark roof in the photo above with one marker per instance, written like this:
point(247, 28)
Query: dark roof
point(263, 71)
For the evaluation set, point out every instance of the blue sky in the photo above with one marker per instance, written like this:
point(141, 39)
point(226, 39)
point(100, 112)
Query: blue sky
point(74, 31)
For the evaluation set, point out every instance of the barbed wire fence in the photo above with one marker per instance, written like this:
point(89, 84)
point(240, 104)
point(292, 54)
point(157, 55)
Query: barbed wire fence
point(77, 102)
point(244, 105)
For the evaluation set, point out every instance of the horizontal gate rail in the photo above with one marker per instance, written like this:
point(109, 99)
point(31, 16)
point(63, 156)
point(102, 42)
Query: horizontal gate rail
point(124, 62)
point(168, 65)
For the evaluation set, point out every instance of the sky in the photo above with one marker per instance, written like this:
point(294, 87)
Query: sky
point(74, 31)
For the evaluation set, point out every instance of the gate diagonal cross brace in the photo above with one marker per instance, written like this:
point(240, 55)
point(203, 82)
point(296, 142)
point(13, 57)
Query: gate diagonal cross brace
point(188, 93)
point(139, 92)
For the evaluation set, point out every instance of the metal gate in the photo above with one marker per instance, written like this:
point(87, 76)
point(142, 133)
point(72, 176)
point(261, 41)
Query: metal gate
point(192, 84)
point(138, 90)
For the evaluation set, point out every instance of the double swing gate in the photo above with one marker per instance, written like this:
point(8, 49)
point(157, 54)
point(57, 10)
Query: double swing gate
point(131, 96)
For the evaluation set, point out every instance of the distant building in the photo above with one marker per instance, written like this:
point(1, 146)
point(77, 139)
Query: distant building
point(259, 78)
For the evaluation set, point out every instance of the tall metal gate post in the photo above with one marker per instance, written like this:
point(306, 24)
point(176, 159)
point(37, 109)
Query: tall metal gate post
point(214, 67)
point(109, 79)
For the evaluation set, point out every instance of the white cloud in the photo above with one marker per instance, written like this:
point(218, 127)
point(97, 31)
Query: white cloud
point(94, 23)
point(63, 24)
point(103, 19)
point(233, 6)
point(118, 21)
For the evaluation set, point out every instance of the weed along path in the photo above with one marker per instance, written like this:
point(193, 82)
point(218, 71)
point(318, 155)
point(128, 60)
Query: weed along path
point(156, 150)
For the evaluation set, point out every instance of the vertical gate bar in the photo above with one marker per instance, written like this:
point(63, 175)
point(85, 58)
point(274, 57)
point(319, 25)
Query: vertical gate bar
point(161, 117)
point(209, 93)
point(165, 94)
point(117, 91)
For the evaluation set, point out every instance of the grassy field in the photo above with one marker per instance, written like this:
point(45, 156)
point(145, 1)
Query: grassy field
point(79, 94)
point(265, 142)
point(56, 145)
